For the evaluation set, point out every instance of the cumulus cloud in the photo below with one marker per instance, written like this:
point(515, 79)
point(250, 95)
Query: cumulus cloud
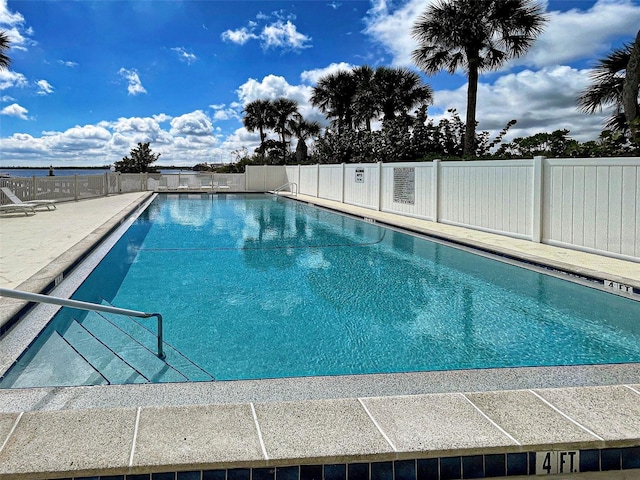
point(585, 31)
point(312, 76)
point(15, 110)
point(278, 31)
point(9, 79)
point(192, 124)
point(284, 35)
point(134, 86)
point(44, 87)
point(185, 56)
point(222, 112)
point(542, 100)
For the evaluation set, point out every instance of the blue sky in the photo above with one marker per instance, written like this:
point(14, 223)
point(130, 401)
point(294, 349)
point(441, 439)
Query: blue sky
point(90, 79)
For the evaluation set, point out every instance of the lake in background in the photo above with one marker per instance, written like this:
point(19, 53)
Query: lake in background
point(68, 172)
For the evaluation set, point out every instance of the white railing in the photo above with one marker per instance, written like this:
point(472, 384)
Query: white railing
point(78, 187)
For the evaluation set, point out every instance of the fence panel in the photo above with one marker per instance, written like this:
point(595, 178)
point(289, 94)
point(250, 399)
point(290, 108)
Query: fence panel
point(309, 180)
point(362, 185)
point(330, 182)
point(495, 196)
point(592, 204)
point(395, 200)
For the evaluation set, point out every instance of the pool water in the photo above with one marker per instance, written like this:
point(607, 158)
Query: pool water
point(254, 287)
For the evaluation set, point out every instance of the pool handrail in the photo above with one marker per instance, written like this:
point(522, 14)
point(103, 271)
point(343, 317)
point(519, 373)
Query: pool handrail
point(92, 307)
point(282, 187)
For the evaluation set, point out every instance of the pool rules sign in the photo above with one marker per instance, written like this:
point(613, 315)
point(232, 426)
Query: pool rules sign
point(404, 185)
point(550, 463)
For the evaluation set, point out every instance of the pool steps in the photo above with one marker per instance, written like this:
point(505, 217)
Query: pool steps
point(100, 349)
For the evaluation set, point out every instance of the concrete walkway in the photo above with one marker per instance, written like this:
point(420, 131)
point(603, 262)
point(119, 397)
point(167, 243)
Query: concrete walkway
point(36, 249)
point(409, 420)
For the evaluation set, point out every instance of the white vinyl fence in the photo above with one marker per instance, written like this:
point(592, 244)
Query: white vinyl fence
point(585, 204)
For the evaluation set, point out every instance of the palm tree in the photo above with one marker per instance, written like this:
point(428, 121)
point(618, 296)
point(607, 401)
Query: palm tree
point(478, 35)
point(259, 115)
point(398, 90)
point(303, 130)
point(5, 61)
point(334, 95)
point(607, 84)
point(284, 109)
point(365, 106)
point(630, 90)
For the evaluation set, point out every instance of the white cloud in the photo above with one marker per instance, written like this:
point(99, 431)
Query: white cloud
point(7, 17)
point(9, 79)
point(222, 112)
point(67, 63)
point(280, 33)
point(571, 35)
point(239, 36)
point(334, 5)
point(542, 100)
point(312, 76)
point(185, 56)
point(578, 34)
point(134, 86)
point(12, 23)
point(192, 124)
point(7, 98)
point(44, 87)
point(284, 35)
point(15, 110)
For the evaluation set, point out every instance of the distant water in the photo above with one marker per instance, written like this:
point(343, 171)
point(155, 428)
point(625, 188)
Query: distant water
point(66, 172)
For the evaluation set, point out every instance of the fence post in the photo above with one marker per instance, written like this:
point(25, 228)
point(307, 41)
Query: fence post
point(34, 186)
point(119, 184)
point(75, 186)
point(435, 190)
point(317, 180)
point(342, 192)
point(379, 186)
point(538, 176)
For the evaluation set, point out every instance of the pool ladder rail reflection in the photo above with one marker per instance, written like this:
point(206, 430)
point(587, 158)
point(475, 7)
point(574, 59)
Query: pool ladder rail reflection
point(115, 345)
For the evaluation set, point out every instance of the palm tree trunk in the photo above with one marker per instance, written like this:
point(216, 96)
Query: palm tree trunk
point(630, 91)
point(469, 148)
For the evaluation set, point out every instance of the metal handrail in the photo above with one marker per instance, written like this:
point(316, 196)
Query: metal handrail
point(92, 307)
point(282, 187)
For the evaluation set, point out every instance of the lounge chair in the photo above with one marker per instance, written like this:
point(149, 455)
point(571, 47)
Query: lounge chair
point(50, 204)
point(205, 183)
point(17, 208)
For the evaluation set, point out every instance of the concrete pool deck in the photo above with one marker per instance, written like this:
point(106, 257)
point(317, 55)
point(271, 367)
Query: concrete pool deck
point(470, 416)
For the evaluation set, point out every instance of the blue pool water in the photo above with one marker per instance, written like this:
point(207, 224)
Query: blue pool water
point(252, 287)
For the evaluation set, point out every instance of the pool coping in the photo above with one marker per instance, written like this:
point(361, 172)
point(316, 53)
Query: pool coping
point(265, 406)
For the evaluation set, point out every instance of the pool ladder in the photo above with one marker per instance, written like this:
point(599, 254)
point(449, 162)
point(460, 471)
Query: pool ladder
point(287, 185)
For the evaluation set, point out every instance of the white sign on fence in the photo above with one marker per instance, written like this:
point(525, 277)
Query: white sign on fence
point(359, 175)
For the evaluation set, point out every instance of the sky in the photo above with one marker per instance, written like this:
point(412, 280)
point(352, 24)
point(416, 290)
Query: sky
point(91, 79)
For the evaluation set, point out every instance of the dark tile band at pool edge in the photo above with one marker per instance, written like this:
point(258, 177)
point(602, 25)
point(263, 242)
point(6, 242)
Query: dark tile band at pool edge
point(443, 468)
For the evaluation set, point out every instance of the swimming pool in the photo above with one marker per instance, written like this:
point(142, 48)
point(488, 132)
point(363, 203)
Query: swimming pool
point(256, 287)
